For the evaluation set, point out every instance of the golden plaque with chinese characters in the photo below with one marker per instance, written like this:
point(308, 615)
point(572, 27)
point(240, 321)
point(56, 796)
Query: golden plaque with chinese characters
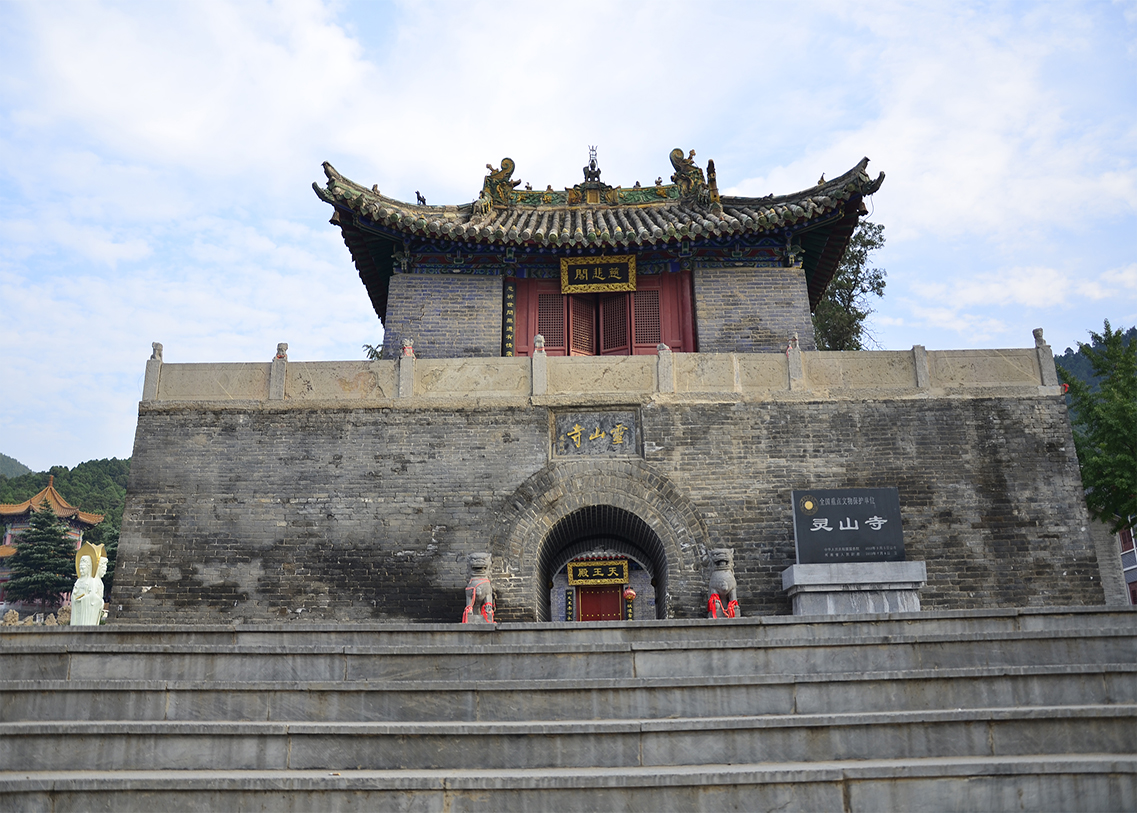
point(587, 275)
point(598, 571)
point(603, 432)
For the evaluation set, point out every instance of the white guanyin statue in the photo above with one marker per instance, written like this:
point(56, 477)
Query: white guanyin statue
point(87, 594)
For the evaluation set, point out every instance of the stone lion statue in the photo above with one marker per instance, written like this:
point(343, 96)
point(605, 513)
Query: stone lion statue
point(723, 602)
point(479, 590)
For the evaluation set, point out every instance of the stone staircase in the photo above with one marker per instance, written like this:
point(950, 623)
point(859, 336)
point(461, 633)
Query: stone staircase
point(984, 710)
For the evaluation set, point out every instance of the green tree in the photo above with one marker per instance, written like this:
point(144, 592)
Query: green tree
point(1105, 426)
point(373, 351)
point(43, 565)
point(839, 320)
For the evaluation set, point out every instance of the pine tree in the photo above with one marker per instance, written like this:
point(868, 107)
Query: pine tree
point(839, 321)
point(43, 565)
point(1105, 427)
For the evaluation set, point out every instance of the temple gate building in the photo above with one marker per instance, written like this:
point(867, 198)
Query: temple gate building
point(597, 385)
point(712, 274)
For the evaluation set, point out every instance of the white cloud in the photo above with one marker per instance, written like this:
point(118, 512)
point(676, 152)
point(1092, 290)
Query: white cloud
point(1111, 284)
point(976, 329)
point(975, 133)
point(1036, 287)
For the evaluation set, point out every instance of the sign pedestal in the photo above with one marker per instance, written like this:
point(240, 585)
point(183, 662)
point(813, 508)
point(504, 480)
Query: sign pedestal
point(855, 587)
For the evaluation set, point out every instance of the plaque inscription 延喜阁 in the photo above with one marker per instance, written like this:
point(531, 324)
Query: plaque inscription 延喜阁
point(603, 274)
point(608, 432)
point(847, 525)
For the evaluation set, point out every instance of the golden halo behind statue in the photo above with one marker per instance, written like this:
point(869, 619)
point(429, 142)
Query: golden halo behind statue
point(94, 551)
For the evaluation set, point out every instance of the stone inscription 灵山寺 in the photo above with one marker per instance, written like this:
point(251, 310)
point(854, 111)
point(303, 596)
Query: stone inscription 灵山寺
point(597, 433)
point(847, 525)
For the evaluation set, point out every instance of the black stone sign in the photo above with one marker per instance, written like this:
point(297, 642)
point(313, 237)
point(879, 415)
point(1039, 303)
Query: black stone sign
point(582, 275)
point(597, 433)
point(848, 525)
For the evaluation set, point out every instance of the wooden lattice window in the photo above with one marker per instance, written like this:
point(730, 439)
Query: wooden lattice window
point(551, 320)
point(646, 307)
point(582, 318)
point(614, 324)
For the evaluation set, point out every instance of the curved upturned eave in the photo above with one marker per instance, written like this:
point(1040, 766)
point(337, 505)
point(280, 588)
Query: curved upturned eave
point(824, 215)
point(595, 225)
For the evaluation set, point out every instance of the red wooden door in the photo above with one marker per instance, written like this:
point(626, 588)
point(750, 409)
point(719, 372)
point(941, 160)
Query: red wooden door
point(614, 324)
point(602, 603)
point(582, 324)
point(619, 324)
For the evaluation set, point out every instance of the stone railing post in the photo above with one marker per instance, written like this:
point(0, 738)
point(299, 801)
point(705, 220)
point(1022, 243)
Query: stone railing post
point(539, 366)
point(923, 371)
point(665, 368)
point(278, 373)
point(407, 369)
point(1045, 360)
point(793, 357)
point(153, 373)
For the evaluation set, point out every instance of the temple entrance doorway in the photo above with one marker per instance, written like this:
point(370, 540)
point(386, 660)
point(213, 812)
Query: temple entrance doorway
point(603, 563)
point(620, 324)
point(600, 603)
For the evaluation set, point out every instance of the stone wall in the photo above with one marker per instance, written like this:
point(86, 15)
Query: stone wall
point(448, 317)
point(751, 310)
point(311, 508)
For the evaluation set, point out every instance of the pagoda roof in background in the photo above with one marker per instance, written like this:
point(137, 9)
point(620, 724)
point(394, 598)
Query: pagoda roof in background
point(50, 498)
point(594, 215)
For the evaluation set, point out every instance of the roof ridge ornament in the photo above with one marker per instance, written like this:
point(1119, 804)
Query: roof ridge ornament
point(592, 170)
point(687, 176)
point(498, 185)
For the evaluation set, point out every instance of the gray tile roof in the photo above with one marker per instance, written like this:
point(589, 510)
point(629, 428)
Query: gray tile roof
point(645, 216)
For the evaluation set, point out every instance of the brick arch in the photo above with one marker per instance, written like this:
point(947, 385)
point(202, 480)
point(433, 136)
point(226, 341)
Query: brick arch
point(531, 513)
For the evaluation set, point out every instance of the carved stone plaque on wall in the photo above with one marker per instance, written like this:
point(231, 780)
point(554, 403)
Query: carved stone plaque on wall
point(597, 432)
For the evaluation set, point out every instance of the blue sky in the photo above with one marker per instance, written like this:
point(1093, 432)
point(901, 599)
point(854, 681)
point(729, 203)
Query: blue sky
point(156, 162)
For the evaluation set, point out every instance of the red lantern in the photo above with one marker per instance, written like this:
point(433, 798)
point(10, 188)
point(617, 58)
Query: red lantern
point(629, 593)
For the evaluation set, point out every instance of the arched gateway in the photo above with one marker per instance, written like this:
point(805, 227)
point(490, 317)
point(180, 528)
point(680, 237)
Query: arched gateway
point(572, 509)
point(615, 549)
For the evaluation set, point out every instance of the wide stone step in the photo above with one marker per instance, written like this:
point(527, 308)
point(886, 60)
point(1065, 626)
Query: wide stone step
point(98, 661)
point(106, 746)
point(1042, 782)
point(763, 629)
point(508, 701)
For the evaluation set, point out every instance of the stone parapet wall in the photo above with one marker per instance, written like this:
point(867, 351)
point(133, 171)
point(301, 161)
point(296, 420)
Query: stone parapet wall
point(343, 501)
point(897, 374)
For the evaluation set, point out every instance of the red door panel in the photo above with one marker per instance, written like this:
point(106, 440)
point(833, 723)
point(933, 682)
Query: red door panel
point(603, 603)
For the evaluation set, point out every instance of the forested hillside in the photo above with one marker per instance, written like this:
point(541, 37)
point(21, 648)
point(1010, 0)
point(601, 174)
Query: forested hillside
point(11, 467)
point(98, 486)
